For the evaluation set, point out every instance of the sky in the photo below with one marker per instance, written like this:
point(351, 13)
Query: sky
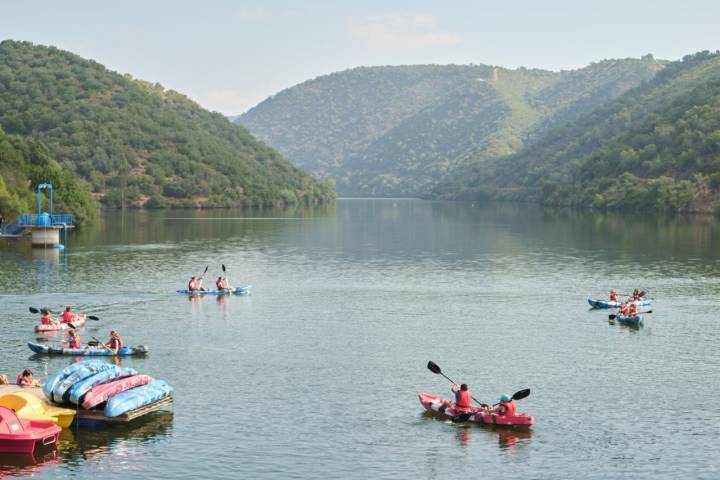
point(230, 55)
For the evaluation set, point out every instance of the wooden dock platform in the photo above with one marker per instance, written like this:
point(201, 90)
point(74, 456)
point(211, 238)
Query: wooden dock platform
point(95, 415)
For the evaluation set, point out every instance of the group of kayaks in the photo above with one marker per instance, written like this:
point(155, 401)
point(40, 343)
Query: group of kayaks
point(621, 317)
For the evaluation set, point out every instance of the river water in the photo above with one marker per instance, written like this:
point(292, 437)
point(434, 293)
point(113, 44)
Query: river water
point(316, 374)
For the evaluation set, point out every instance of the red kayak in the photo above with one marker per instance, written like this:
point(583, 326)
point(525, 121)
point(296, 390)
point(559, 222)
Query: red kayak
point(446, 409)
point(22, 436)
point(77, 323)
point(101, 393)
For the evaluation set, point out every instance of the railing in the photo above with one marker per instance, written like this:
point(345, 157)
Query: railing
point(43, 219)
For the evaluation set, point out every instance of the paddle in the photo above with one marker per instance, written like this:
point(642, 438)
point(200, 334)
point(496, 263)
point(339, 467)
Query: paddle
point(433, 367)
point(464, 417)
point(227, 284)
point(613, 316)
point(101, 343)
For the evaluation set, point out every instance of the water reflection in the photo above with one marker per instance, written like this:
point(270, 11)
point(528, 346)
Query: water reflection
point(508, 437)
point(28, 464)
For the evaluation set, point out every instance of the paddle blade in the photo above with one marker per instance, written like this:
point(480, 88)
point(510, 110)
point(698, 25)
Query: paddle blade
point(521, 394)
point(34, 310)
point(223, 267)
point(432, 366)
point(612, 316)
point(206, 269)
point(92, 317)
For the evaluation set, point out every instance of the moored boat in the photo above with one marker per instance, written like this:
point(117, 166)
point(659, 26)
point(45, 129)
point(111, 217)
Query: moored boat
point(77, 323)
point(31, 407)
point(446, 409)
point(18, 435)
point(87, 351)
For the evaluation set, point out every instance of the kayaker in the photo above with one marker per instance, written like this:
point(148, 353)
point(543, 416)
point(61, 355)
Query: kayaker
point(73, 339)
point(68, 316)
point(463, 397)
point(222, 284)
point(507, 406)
point(115, 343)
point(632, 310)
point(4, 379)
point(613, 296)
point(636, 296)
point(195, 284)
point(625, 309)
point(25, 379)
point(46, 318)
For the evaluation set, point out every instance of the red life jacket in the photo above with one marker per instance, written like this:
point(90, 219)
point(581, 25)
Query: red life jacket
point(613, 297)
point(632, 310)
point(74, 343)
point(192, 286)
point(45, 319)
point(463, 399)
point(220, 284)
point(625, 309)
point(68, 317)
point(508, 408)
point(19, 379)
point(115, 343)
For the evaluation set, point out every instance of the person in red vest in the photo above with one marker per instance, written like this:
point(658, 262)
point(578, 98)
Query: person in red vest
point(25, 379)
point(506, 407)
point(463, 397)
point(632, 310)
point(68, 316)
point(73, 339)
point(613, 296)
point(115, 343)
point(222, 284)
point(195, 284)
point(46, 318)
point(625, 309)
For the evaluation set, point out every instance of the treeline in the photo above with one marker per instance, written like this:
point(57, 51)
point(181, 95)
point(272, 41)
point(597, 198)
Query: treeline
point(138, 144)
point(25, 163)
point(655, 148)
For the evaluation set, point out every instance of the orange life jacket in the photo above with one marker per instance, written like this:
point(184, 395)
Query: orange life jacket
point(508, 408)
point(463, 399)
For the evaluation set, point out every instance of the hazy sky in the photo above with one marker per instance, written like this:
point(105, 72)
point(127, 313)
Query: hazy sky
point(230, 55)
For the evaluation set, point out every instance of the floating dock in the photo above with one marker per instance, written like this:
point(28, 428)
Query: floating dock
point(94, 415)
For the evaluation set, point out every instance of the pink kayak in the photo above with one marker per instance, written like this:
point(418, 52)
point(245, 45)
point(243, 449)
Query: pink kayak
point(101, 393)
point(445, 408)
point(77, 323)
point(22, 436)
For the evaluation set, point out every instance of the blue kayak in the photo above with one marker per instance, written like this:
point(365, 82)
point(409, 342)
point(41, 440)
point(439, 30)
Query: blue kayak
point(87, 351)
point(634, 320)
point(53, 381)
point(236, 291)
point(609, 304)
point(82, 387)
point(137, 397)
point(61, 391)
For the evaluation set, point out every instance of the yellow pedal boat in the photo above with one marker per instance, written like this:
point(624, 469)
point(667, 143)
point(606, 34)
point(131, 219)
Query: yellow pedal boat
point(31, 407)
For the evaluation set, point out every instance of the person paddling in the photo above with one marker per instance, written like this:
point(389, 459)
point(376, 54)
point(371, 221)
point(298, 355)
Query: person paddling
point(613, 296)
point(73, 339)
point(222, 284)
point(195, 284)
point(463, 397)
point(632, 310)
point(507, 406)
point(624, 309)
point(115, 343)
point(46, 318)
point(68, 316)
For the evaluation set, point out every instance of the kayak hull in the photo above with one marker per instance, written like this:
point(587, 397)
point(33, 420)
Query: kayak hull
point(609, 304)
point(87, 351)
point(77, 323)
point(101, 393)
point(237, 291)
point(23, 436)
point(137, 397)
point(61, 392)
point(446, 409)
point(634, 320)
point(79, 389)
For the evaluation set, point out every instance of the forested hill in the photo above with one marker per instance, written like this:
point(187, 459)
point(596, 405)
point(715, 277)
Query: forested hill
point(655, 148)
point(397, 130)
point(137, 143)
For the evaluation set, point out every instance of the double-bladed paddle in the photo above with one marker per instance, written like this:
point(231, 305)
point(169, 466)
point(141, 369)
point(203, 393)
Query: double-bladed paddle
point(433, 367)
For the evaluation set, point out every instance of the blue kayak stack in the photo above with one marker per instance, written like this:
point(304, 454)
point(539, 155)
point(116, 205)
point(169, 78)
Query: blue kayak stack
point(70, 384)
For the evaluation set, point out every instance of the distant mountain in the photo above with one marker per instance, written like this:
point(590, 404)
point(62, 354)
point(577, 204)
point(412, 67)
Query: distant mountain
point(136, 143)
point(657, 147)
point(398, 130)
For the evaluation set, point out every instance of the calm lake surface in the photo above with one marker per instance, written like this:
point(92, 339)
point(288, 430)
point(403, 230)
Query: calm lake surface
point(316, 374)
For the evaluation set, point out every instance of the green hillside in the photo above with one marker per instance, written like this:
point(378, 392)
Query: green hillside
point(138, 144)
point(397, 130)
point(657, 147)
point(25, 163)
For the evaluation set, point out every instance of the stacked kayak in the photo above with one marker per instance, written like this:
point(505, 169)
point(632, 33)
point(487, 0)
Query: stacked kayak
point(87, 351)
point(31, 407)
point(77, 323)
point(236, 291)
point(446, 409)
point(114, 390)
point(19, 435)
point(609, 304)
